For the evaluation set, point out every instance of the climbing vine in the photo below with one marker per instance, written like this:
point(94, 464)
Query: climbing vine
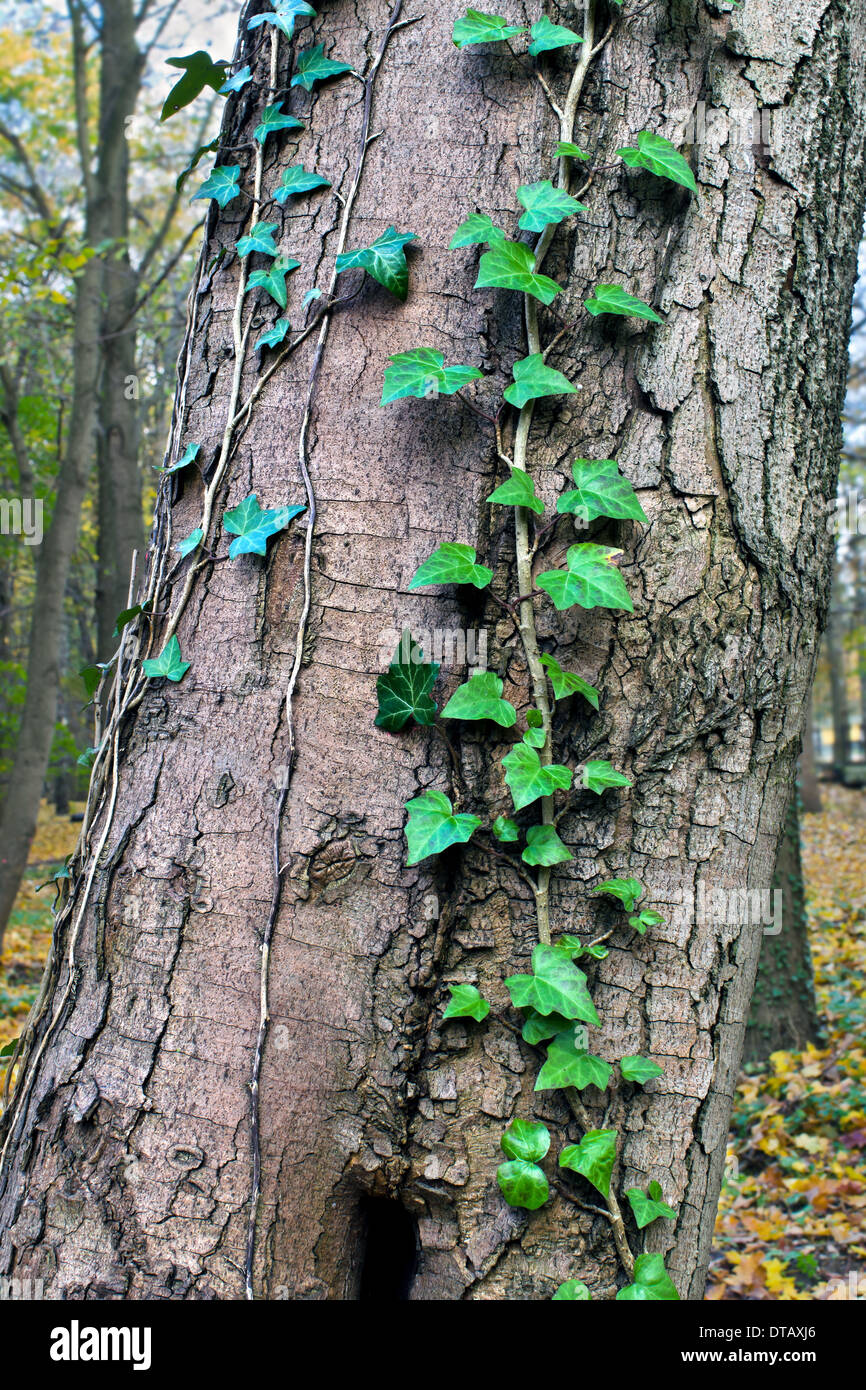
point(554, 997)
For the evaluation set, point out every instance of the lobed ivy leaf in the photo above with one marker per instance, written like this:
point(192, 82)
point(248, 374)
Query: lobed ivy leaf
point(433, 825)
point(384, 259)
point(274, 119)
point(422, 373)
point(533, 379)
point(527, 1139)
point(481, 698)
point(404, 691)
point(297, 180)
point(639, 1069)
point(661, 158)
point(647, 918)
point(466, 1002)
point(543, 846)
point(528, 779)
point(314, 67)
point(593, 1158)
point(510, 265)
point(92, 675)
point(190, 542)
point(222, 184)
point(546, 36)
point(573, 1289)
point(259, 238)
point(478, 27)
point(567, 1065)
point(598, 774)
point(477, 230)
point(523, 1184)
point(555, 986)
point(652, 1283)
point(566, 683)
point(545, 205)
point(274, 279)
point(274, 336)
point(613, 299)
point(237, 81)
point(199, 71)
point(312, 294)
point(538, 1027)
point(601, 491)
point(253, 527)
point(84, 759)
point(128, 615)
point(565, 149)
point(451, 563)
point(168, 663)
point(518, 491)
point(505, 830)
point(284, 14)
point(648, 1206)
point(188, 456)
point(628, 890)
point(591, 579)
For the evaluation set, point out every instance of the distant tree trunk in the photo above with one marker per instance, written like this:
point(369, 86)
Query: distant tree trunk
point(859, 583)
point(784, 1014)
point(127, 1167)
point(810, 792)
point(838, 684)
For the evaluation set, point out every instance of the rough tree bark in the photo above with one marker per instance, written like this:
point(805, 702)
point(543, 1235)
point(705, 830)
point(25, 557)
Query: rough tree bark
point(127, 1160)
point(838, 685)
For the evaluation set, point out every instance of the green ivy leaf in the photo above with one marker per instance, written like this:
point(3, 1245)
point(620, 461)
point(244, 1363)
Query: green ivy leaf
point(477, 27)
point(92, 675)
point(593, 1158)
point(639, 1069)
point(422, 373)
point(518, 491)
point(533, 378)
point(254, 527)
point(481, 698)
point(274, 279)
point(433, 826)
point(274, 119)
point(534, 738)
point(566, 683)
point(573, 1289)
point(522, 1184)
point(565, 149)
point(188, 456)
point(199, 155)
point(598, 774)
point(259, 238)
point(84, 759)
point(506, 830)
point(284, 15)
point(190, 542)
point(613, 299)
point(591, 580)
point(545, 205)
point(528, 779)
point(199, 71)
point(538, 1026)
point(555, 986)
point(168, 663)
point(649, 1206)
point(222, 184)
point(477, 230)
point(534, 718)
point(384, 259)
point(404, 692)
point(567, 1065)
point(543, 846)
point(312, 294)
point(451, 563)
point(237, 82)
point(127, 615)
point(466, 1002)
point(661, 158)
point(509, 265)
point(314, 67)
point(527, 1139)
point(647, 918)
point(601, 491)
point(652, 1283)
point(627, 890)
point(274, 336)
point(297, 180)
point(546, 36)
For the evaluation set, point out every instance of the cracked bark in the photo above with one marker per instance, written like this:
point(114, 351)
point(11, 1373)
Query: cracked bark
point(131, 1177)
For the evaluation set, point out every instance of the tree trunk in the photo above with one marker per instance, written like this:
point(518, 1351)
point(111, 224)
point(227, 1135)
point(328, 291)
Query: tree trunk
point(810, 792)
point(784, 1014)
point(838, 682)
point(128, 1168)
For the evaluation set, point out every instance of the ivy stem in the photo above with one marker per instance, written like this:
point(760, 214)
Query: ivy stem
point(617, 1224)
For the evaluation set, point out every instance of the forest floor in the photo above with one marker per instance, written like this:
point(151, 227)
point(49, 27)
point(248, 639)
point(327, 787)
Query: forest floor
point(792, 1216)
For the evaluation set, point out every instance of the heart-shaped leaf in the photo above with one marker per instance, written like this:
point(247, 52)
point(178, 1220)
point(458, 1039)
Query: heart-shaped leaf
point(573, 1289)
point(538, 1026)
point(598, 774)
point(466, 1002)
point(404, 691)
point(384, 259)
point(648, 1206)
point(566, 150)
point(533, 378)
point(297, 180)
point(661, 158)
point(222, 184)
point(652, 1283)
point(627, 890)
point(528, 779)
point(254, 527)
point(527, 1139)
point(168, 663)
point(591, 579)
point(422, 373)
point(190, 542)
point(545, 205)
point(509, 265)
point(613, 299)
point(451, 563)
point(566, 683)
point(593, 1158)
point(568, 1065)
point(259, 238)
point(555, 986)
point(639, 1069)
point(601, 491)
point(523, 1184)
point(543, 846)
point(274, 336)
point(237, 81)
point(481, 698)
point(546, 35)
point(505, 830)
point(647, 918)
point(274, 279)
point(475, 231)
point(518, 490)
point(477, 27)
point(433, 825)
